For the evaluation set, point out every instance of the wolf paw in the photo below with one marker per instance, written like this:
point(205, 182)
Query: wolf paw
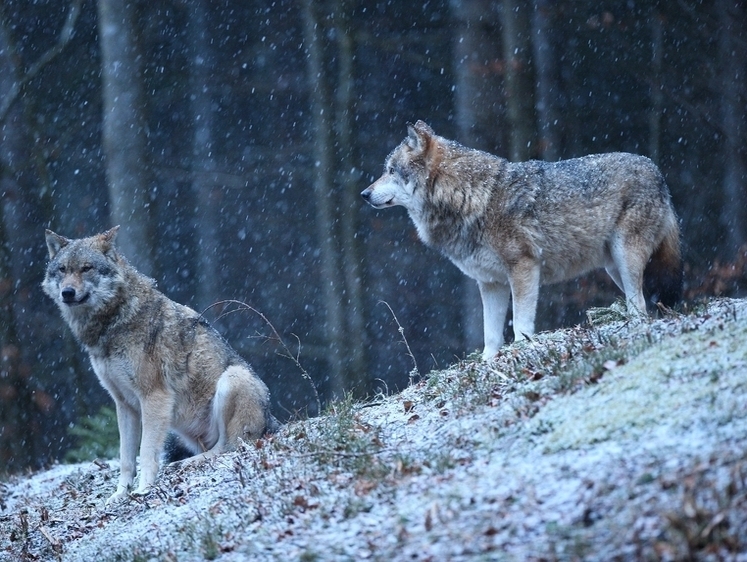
point(193, 461)
point(141, 491)
point(489, 354)
point(117, 496)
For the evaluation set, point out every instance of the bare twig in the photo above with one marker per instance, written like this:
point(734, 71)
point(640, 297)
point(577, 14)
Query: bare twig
point(275, 336)
point(401, 330)
point(53, 541)
point(66, 33)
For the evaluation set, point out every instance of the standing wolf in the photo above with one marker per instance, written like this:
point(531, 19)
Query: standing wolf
point(514, 226)
point(165, 367)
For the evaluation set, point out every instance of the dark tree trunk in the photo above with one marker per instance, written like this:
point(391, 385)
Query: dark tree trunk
point(657, 94)
point(207, 193)
point(733, 64)
point(323, 113)
point(549, 89)
point(479, 99)
point(23, 188)
point(331, 87)
point(516, 18)
point(125, 134)
point(352, 253)
point(481, 117)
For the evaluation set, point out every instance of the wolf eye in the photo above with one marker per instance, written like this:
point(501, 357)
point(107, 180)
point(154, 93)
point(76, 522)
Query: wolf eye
point(62, 269)
point(87, 267)
point(390, 171)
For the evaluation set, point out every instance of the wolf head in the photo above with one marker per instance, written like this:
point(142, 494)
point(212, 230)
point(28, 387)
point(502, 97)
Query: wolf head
point(84, 274)
point(405, 170)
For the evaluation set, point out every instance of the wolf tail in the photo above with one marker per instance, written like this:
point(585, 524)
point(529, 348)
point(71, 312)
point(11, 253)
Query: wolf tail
point(663, 274)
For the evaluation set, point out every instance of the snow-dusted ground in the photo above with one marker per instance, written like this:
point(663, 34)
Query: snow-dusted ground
point(623, 442)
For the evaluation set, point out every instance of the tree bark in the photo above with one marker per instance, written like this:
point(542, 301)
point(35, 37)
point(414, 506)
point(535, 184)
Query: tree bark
point(548, 90)
point(125, 134)
point(657, 94)
point(323, 112)
point(352, 253)
point(20, 231)
point(481, 118)
point(733, 65)
point(479, 95)
point(208, 194)
point(519, 79)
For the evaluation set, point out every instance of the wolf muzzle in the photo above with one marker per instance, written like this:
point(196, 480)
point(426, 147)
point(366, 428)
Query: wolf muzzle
point(368, 196)
point(70, 296)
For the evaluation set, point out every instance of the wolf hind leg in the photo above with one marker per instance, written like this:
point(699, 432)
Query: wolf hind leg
point(525, 284)
point(630, 264)
point(239, 409)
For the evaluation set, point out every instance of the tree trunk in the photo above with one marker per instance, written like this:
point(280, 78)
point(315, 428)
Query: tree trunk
point(479, 99)
point(519, 79)
point(125, 134)
point(733, 62)
point(208, 194)
point(480, 114)
point(16, 451)
point(352, 253)
point(657, 94)
point(322, 109)
point(548, 90)
point(20, 231)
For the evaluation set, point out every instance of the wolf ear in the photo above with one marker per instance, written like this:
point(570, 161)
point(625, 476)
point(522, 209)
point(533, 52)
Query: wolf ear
point(419, 136)
point(55, 243)
point(107, 239)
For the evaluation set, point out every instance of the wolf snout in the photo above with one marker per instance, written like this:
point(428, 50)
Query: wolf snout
point(68, 294)
point(71, 296)
point(376, 199)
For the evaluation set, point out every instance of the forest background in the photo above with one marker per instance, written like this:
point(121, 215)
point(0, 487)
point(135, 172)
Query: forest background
point(231, 139)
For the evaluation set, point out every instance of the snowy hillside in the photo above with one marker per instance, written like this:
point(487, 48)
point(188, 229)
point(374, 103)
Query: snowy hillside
point(622, 441)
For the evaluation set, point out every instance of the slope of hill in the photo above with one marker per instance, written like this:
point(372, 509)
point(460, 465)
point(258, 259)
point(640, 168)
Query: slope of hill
point(620, 441)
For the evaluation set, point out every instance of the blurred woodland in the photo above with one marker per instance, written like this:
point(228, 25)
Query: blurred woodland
point(231, 140)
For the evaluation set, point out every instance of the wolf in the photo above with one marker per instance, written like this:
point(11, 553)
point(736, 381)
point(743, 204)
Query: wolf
point(514, 226)
point(165, 367)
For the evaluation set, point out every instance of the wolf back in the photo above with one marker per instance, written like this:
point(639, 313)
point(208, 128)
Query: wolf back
point(165, 367)
point(514, 226)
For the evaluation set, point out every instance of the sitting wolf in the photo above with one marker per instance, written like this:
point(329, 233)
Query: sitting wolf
point(165, 367)
point(514, 226)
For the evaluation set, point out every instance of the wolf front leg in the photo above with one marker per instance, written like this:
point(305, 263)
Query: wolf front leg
point(495, 298)
point(128, 423)
point(525, 283)
point(156, 409)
